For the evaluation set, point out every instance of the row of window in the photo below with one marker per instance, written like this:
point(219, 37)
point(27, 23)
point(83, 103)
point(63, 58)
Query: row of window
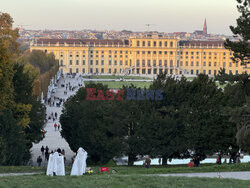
point(209, 72)
point(154, 52)
point(205, 64)
point(143, 71)
point(154, 44)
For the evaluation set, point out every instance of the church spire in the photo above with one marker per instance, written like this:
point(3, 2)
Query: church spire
point(205, 28)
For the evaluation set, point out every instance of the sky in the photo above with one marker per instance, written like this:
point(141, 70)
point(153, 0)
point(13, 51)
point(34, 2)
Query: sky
point(163, 15)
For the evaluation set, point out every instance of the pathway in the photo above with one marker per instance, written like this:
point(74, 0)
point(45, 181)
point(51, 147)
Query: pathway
point(53, 138)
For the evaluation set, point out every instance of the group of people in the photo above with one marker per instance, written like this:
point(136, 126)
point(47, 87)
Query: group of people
point(45, 153)
point(56, 164)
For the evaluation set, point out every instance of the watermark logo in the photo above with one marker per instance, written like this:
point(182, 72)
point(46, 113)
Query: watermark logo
point(132, 94)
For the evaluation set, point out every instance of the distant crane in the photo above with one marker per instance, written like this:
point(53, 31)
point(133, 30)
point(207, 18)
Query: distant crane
point(148, 25)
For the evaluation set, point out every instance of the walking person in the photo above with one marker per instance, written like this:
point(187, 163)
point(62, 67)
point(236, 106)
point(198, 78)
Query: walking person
point(39, 160)
point(55, 125)
point(42, 150)
point(47, 148)
point(56, 115)
point(47, 155)
point(58, 126)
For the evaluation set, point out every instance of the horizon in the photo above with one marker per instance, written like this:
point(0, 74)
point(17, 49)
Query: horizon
point(132, 15)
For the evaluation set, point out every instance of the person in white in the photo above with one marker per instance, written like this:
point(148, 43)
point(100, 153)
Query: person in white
point(55, 165)
point(79, 165)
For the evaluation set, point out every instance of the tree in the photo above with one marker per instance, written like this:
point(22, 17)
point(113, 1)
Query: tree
point(12, 141)
point(241, 48)
point(84, 125)
point(8, 48)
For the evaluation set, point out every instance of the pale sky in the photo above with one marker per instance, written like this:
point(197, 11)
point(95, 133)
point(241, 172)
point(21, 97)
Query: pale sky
point(165, 15)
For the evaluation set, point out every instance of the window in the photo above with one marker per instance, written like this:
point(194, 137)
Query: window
point(83, 70)
point(209, 64)
point(154, 52)
point(143, 63)
point(126, 62)
point(138, 43)
point(102, 62)
point(230, 64)
point(160, 52)
point(110, 62)
point(154, 43)
point(120, 52)
point(197, 53)
point(77, 70)
point(121, 62)
point(171, 53)
point(137, 62)
point(143, 43)
point(171, 44)
point(160, 43)
point(115, 62)
point(166, 44)
point(236, 72)
point(102, 70)
point(149, 43)
point(192, 63)
point(186, 53)
point(143, 52)
point(160, 62)
point(70, 62)
point(96, 62)
point(171, 63)
point(192, 71)
point(215, 63)
point(209, 72)
point(186, 63)
point(83, 51)
point(114, 70)
point(165, 63)
point(214, 72)
point(96, 70)
point(109, 71)
point(204, 63)
point(149, 63)
point(149, 52)
point(70, 70)
point(154, 62)
point(224, 64)
point(77, 62)
point(91, 62)
point(138, 52)
point(61, 62)
point(166, 52)
point(204, 72)
point(197, 72)
point(192, 53)
point(197, 63)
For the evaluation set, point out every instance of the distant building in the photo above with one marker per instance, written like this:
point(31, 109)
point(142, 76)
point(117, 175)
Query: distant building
point(145, 55)
point(205, 28)
point(204, 31)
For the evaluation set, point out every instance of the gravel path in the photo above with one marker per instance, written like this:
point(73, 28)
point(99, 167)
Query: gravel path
point(53, 138)
point(233, 175)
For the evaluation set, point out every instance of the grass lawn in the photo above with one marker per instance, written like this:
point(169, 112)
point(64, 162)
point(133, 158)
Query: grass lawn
point(155, 169)
point(118, 181)
point(116, 77)
point(117, 85)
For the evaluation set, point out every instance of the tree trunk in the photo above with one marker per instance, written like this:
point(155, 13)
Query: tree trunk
point(164, 160)
point(131, 160)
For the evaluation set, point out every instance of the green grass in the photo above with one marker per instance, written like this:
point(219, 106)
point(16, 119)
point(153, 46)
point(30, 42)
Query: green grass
point(118, 181)
point(155, 169)
point(117, 77)
point(117, 85)
point(17, 169)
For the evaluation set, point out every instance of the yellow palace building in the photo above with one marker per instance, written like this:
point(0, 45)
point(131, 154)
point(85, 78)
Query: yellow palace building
point(147, 55)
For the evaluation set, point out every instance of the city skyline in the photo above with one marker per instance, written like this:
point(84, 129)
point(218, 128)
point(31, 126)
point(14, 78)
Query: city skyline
point(165, 16)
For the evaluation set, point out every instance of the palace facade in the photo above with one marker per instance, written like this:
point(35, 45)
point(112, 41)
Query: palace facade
point(140, 55)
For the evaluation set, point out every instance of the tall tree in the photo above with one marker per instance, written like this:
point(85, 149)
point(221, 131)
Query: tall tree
point(241, 48)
